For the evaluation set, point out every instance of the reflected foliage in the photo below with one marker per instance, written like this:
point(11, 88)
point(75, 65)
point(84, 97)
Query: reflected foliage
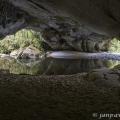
point(114, 45)
point(51, 66)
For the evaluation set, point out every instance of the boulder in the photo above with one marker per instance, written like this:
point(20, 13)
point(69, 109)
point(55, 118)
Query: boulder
point(28, 52)
point(16, 53)
point(31, 52)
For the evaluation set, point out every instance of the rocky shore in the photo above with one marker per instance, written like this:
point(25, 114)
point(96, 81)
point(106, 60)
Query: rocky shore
point(79, 55)
point(60, 97)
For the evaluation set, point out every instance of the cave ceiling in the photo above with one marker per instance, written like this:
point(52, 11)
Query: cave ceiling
point(63, 23)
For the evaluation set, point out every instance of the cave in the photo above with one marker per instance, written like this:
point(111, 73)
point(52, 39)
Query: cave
point(85, 87)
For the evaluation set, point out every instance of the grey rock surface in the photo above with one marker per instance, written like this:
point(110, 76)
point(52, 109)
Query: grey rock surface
point(59, 26)
point(100, 16)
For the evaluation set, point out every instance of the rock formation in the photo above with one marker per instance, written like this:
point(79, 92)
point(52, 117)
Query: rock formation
point(26, 53)
point(61, 23)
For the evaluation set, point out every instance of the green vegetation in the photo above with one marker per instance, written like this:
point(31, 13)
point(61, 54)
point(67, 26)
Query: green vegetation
point(24, 38)
point(19, 67)
point(34, 67)
point(114, 45)
point(111, 64)
point(21, 39)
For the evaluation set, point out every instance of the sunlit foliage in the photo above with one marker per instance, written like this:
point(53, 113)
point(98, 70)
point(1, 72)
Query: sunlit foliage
point(21, 39)
point(114, 45)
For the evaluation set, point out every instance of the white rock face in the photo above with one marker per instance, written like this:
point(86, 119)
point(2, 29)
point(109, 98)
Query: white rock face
point(4, 56)
point(16, 53)
point(29, 52)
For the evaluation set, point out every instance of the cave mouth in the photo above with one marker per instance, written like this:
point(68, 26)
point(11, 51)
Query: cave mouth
point(82, 96)
point(93, 43)
point(59, 31)
point(55, 61)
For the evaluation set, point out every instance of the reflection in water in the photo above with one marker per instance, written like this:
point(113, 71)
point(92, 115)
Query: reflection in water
point(52, 66)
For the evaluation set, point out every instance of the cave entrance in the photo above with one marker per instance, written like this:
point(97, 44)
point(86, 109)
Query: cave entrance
point(62, 63)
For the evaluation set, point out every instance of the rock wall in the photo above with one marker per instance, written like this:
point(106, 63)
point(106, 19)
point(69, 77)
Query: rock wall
point(62, 29)
point(99, 16)
point(12, 19)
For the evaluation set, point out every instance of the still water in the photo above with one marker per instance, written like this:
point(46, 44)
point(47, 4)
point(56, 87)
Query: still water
point(54, 66)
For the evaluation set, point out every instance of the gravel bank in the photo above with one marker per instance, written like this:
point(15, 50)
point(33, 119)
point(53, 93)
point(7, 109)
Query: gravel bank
point(63, 97)
point(79, 55)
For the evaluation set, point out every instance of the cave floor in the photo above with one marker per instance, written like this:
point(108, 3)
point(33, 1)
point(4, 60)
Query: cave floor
point(58, 97)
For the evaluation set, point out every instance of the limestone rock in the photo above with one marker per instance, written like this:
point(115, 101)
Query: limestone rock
point(16, 53)
point(99, 16)
point(74, 37)
point(31, 52)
